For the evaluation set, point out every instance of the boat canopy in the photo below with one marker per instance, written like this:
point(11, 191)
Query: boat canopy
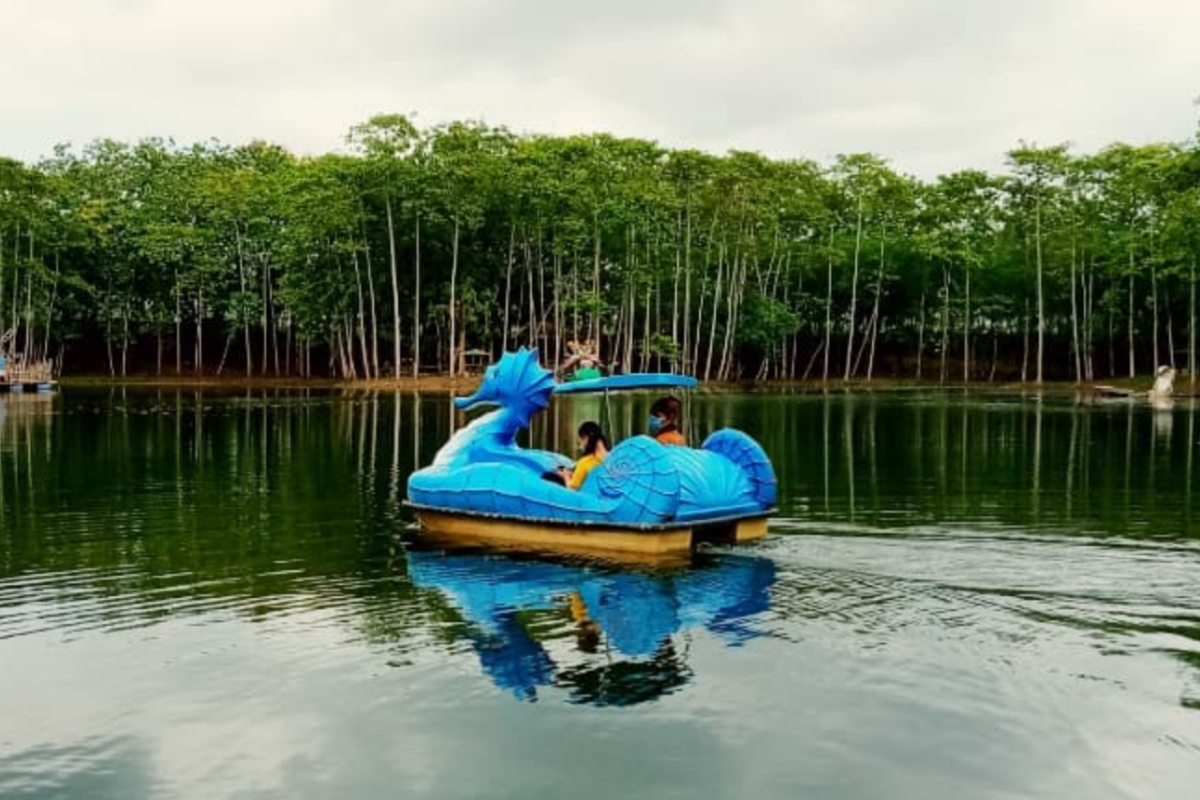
point(625, 383)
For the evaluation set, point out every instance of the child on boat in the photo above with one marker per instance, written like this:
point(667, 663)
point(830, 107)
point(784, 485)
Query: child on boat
point(584, 363)
point(593, 448)
point(664, 422)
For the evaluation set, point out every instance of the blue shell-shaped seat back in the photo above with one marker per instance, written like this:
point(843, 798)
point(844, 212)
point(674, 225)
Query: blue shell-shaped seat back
point(750, 457)
point(638, 473)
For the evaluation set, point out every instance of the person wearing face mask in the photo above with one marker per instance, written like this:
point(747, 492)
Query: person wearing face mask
point(593, 449)
point(664, 422)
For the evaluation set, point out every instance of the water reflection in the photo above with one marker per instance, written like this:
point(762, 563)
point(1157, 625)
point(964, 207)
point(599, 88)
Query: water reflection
point(208, 593)
point(608, 637)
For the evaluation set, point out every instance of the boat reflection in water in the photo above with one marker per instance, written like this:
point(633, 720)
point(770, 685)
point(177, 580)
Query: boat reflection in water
point(605, 636)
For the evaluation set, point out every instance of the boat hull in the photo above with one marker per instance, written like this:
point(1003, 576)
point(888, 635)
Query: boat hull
point(651, 542)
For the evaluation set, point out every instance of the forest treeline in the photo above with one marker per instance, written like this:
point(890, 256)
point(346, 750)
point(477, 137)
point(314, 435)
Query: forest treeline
point(417, 246)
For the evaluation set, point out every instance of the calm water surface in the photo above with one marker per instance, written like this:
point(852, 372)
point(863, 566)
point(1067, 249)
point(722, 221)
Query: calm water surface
point(208, 595)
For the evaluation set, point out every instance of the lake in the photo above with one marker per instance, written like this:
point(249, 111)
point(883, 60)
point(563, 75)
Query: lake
point(210, 594)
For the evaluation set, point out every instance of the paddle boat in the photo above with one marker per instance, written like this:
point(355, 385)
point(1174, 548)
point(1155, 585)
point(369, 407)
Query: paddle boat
point(646, 498)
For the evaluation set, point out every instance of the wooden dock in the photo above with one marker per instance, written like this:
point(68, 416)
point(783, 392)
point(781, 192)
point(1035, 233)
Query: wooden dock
point(19, 386)
point(16, 377)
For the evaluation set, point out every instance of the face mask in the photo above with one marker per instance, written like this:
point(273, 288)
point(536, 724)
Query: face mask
point(655, 424)
point(582, 448)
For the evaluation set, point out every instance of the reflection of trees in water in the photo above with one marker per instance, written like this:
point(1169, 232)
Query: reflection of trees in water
point(905, 458)
point(161, 502)
point(151, 504)
point(25, 431)
point(1027, 459)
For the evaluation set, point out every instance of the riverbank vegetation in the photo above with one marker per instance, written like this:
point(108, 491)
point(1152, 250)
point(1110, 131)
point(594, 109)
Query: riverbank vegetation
point(417, 249)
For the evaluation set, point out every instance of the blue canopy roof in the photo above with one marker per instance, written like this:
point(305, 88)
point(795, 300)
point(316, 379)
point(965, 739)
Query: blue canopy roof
point(621, 383)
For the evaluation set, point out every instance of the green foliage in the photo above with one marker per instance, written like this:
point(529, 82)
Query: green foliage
point(717, 264)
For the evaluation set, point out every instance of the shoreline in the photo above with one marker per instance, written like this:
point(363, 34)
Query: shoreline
point(445, 383)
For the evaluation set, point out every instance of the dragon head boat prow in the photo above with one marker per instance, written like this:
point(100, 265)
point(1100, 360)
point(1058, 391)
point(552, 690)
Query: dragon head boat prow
point(517, 383)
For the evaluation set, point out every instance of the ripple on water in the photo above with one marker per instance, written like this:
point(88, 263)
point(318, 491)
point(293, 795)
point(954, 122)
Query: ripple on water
point(219, 599)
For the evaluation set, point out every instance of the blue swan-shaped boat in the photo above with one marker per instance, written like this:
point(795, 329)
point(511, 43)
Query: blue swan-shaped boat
point(645, 497)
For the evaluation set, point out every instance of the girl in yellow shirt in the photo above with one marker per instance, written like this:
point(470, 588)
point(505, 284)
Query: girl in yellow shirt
point(593, 449)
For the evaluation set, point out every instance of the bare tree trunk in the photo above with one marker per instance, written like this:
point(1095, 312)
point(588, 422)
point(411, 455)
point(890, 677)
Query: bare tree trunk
point(812, 361)
point(1192, 324)
point(373, 307)
point(1041, 306)
point(178, 326)
point(675, 285)
point(921, 335)
point(558, 312)
point(1087, 322)
point(453, 365)
point(646, 332)
point(512, 242)
point(618, 339)
point(416, 301)
point(712, 333)
point(112, 368)
point(349, 346)
point(274, 320)
point(687, 285)
point(1025, 344)
point(539, 262)
point(828, 308)
point(362, 324)
point(1154, 314)
point(995, 354)
point(1088, 331)
point(396, 293)
point(875, 311)
point(266, 316)
point(698, 338)
point(967, 322)
point(733, 302)
point(50, 316)
point(199, 366)
point(631, 321)
point(237, 234)
point(575, 295)
point(533, 311)
point(699, 324)
point(854, 290)
point(945, 320)
point(1075, 314)
point(225, 353)
point(865, 345)
point(1132, 366)
point(124, 341)
point(1112, 348)
point(1170, 329)
point(595, 327)
point(2, 328)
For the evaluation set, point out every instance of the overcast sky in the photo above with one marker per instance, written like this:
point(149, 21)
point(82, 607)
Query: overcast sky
point(933, 85)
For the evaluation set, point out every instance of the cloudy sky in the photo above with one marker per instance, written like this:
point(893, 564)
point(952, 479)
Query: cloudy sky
point(931, 84)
